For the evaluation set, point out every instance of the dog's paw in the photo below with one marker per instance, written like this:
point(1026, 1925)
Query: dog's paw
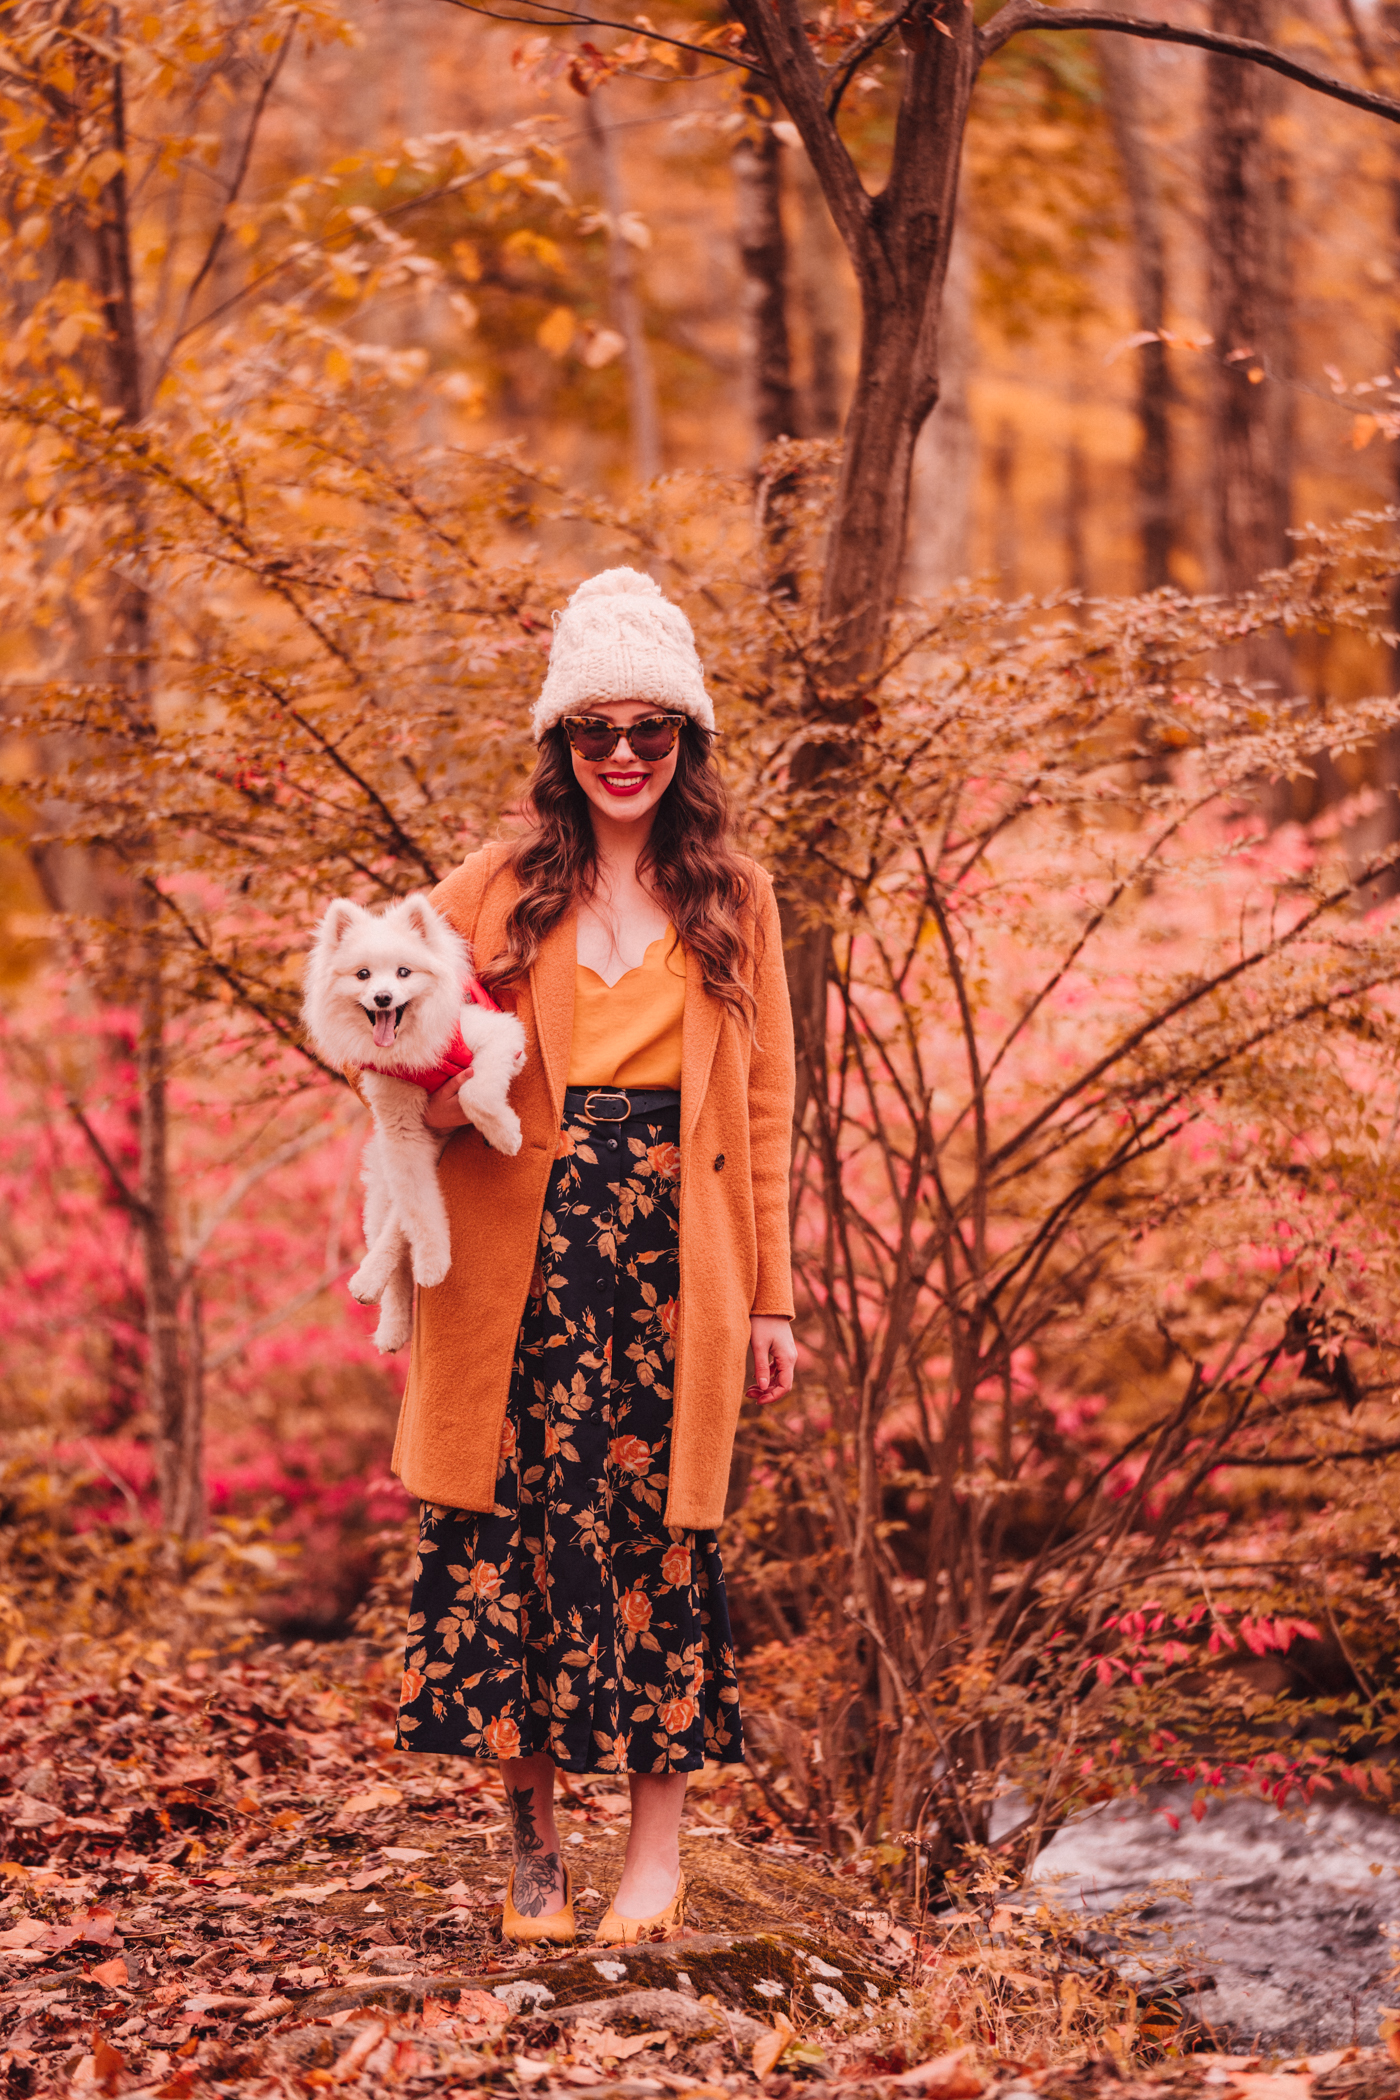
point(366, 1289)
point(430, 1265)
point(393, 1331)
point(502, 1132)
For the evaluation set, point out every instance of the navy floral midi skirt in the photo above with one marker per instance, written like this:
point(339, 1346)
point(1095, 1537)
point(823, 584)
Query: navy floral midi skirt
point(570, 1620)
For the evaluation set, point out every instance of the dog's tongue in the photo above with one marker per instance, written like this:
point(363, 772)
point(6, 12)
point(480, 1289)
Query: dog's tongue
point(384, 1028)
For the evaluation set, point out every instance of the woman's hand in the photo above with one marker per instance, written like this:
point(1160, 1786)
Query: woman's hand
point(444, 1110)
point(774, 1357)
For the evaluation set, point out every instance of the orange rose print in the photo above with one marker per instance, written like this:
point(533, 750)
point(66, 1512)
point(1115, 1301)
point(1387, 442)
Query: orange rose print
point(503, 1737)
point(521, 1630)
point(630, 1453)
point(634, 1609)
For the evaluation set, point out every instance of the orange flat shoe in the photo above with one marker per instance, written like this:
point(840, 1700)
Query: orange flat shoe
point(558, 1926)
point(617, 1931)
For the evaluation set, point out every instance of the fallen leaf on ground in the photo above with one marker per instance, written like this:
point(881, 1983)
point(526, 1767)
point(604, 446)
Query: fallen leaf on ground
point(108, 2065)
point(269, 2009)
point(376, 1796)
point(370, 1878)
point(484, 2008)
point(363, 2045)
point(769, 2047)
point(1389, 2032)
point(948, 2077)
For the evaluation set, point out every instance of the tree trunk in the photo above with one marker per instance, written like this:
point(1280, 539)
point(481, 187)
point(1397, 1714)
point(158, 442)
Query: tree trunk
point(896, 388)
point(821, 283)
point(1248, 295)
point(898, 243)
point(165, 1383)
point(625, 302)
point(1121, 65)
point(1006, 550)
point(945, 454)
point(178, 1451)
point(1250, 409)
point(1380, 827)
point(758, 213)
point(1077, 498)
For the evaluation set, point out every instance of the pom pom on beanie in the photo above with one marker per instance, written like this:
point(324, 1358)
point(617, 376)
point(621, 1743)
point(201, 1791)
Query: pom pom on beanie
point(620, 638)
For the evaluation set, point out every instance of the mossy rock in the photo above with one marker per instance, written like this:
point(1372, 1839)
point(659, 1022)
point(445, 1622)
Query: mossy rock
point(754, 1972)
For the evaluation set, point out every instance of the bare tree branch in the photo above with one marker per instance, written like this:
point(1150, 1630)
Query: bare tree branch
point(124, 1194)
point(292, 1148)
point(1029, 14)
point(220, 235)
point(552, 17)
point(859, 53)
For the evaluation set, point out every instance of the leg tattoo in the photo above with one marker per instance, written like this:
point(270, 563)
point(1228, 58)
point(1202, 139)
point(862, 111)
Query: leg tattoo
point(536, 1870)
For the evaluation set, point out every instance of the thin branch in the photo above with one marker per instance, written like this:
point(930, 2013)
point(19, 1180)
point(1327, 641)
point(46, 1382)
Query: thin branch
point(409, 847)
point(126, 1196)
point(1194, 995)
point(292, 1148)
point(290, 262)
point(570, 18)
point(123, 1487)
point(215, 248)
point(1029, 14)
point(272, 1319)
point(862, 50)
point(1283, 1462)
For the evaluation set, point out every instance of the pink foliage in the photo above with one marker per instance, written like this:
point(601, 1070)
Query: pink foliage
point(265, 1158)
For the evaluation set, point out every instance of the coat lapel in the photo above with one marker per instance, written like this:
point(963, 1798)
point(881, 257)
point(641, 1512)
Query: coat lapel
point(552, 996)
point(704, 1016)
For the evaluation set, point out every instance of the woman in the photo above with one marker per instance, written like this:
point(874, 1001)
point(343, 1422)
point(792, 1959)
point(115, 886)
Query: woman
point(575, 1380)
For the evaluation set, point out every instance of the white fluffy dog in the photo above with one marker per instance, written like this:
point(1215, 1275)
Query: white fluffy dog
point(394, 994)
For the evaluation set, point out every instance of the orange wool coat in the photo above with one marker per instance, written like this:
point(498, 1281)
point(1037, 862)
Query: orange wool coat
point(736, 1120)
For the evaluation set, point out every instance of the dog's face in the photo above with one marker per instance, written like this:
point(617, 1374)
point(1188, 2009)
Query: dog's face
point(388, 983)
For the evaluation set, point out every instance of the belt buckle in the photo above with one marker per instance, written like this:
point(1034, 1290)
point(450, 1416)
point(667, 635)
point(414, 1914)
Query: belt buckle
point(602, 1115)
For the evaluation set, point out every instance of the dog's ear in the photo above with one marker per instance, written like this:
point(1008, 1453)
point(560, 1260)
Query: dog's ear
point(422, 918)
point(339, 919)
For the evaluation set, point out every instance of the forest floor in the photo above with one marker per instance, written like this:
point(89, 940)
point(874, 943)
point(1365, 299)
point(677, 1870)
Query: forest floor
point(224, 1879)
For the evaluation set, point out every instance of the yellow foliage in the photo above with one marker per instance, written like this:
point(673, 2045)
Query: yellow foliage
point(537, 247)
point(467, 257)
point(556, 332)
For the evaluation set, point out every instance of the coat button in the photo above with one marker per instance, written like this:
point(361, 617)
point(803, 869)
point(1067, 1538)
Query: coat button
point(719, 1161)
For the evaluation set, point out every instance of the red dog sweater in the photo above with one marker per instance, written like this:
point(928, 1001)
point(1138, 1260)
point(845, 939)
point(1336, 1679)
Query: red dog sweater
point(455, 1061)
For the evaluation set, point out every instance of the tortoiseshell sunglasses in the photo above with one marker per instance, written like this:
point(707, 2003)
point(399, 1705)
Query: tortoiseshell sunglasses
point(593, 737)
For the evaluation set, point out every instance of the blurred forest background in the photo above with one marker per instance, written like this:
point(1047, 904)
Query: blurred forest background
point(338, 343)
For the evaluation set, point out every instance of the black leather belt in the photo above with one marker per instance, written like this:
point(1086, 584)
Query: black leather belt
point(614, 1104)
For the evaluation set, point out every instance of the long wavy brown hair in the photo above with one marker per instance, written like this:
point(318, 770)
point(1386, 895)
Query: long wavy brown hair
point(693, 867)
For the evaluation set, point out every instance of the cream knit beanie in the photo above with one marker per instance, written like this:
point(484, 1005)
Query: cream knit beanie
point(620, 638)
